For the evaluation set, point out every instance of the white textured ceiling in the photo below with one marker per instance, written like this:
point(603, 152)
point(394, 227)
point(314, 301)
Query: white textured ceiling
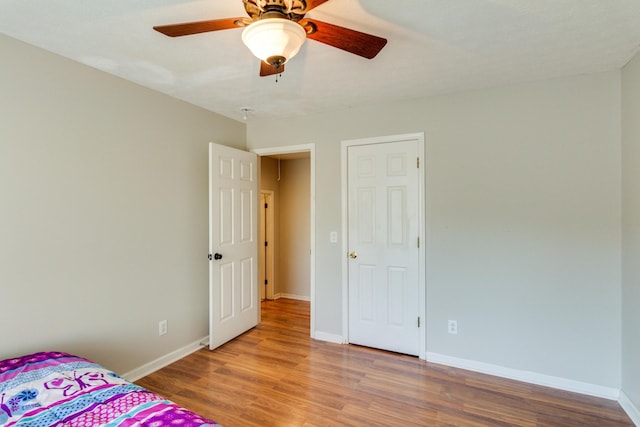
point(434, 46)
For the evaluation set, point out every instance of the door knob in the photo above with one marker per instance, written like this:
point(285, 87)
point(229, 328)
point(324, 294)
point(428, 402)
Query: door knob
point(217, 256)
point(353, 255)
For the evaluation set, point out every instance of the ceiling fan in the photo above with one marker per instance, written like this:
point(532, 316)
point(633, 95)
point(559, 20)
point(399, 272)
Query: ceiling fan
point(276, 29)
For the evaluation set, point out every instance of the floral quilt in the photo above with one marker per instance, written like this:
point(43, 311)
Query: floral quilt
point(58, 389)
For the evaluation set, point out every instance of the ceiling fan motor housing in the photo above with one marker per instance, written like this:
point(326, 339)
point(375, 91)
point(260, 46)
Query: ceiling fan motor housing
point(289, 9)
point(276, 60)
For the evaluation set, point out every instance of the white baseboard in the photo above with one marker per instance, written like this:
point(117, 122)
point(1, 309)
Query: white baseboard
point(292, 296)
point(165, 360)
point(526, 376)
point(629, 408)
point(324, 336)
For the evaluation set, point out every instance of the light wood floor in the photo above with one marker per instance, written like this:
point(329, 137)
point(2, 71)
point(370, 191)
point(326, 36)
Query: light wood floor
point(275, 375)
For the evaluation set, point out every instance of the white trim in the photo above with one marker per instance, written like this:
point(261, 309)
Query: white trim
point(422, 224)
point(311, 149)
point(161, 362)
point(419, 137)
point(284, 149)
point(629, 408)
point(333, 338)
point(344, 266)
point(610, 393)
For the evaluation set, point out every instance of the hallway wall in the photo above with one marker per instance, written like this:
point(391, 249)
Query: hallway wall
point(291, 224)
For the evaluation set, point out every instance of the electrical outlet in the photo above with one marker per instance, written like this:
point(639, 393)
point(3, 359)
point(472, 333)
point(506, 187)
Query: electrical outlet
point(453, 327)
point(162, 327)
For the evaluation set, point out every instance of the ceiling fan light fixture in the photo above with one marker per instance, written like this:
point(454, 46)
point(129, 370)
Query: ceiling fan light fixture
point(274, 40)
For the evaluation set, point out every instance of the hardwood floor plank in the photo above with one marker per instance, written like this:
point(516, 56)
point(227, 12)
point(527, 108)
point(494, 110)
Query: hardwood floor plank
point(276, 375)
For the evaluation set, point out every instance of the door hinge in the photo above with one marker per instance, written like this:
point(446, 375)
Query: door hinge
point(418, 162)
point(418, 242)
point(266, 205)
point(418, 321)
point(266, 282)
point(266, 243)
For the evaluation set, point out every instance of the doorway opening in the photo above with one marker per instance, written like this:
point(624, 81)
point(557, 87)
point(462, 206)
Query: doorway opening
point(287, 175)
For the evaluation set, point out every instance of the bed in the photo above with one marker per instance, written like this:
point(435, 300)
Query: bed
point(59, 389)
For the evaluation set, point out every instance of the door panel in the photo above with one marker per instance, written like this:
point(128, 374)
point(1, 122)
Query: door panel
point(383, 231)
point(248, 284)
point(395, 298)
point(226, 291)
point(225, 223)
point(232, 243)
point(247, 213)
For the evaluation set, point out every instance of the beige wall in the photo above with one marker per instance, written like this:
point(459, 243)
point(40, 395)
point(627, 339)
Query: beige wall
point(631, 232)
point(103, 212)
point(523, 219)
point(292, 224)
point(269, 182)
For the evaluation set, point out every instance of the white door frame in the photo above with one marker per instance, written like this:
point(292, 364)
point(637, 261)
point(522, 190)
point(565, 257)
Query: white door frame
point(310, 148)
point(422, 231)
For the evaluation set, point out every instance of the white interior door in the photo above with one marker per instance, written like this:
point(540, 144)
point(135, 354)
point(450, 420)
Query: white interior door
point(266, 246)
point(233, 249)
point(262, 252)
point(383, 241)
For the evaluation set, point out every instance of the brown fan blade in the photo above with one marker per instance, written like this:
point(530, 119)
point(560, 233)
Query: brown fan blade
point(356, 42)
point(269, 70)
point(312, 4)
point(188, 28)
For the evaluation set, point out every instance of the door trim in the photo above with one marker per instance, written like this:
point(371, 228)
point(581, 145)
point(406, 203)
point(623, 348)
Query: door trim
point(310, 148)
point(422, 229)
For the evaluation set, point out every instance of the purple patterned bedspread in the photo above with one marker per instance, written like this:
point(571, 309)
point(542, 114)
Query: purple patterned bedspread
point(58, 389)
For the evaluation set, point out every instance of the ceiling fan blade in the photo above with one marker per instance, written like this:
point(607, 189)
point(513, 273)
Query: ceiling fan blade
point(269, 70)
point(356, 42)
point(188, 28)
point(312, 4)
